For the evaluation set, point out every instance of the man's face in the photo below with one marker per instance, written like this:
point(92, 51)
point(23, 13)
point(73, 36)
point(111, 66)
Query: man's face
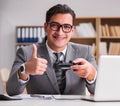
point(58, 39)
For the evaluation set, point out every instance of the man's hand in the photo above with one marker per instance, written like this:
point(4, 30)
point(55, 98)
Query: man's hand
point(35, 65)
point(85, 69)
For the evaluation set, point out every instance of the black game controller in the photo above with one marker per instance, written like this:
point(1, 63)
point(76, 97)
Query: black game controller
point(65, 66)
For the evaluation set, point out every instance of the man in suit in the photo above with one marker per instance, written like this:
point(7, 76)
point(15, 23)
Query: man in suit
point(34, 69)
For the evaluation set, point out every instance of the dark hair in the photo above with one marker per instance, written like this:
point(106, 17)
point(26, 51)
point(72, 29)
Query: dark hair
point(59, 8)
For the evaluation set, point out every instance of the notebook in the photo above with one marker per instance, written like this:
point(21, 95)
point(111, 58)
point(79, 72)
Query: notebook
point(108, 79)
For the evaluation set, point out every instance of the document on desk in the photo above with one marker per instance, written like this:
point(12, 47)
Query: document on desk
point(51, 97)
point(4, 97)
point(35, 96)
point(42, 97)
point(45, 97)
point(55, 97)
point(67, 97)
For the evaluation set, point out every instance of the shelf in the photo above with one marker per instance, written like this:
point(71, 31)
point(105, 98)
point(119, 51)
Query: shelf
point(19, 44)
point(110, 39)
point(83, 40)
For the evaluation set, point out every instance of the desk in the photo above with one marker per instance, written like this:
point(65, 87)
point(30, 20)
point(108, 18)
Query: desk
point(53, 102)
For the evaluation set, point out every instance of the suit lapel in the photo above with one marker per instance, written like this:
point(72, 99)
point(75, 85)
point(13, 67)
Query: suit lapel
point(70, 56)
point(70, 53)
point(43, 52)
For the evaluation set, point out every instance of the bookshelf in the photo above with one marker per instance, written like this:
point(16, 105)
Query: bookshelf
point(90, 25)
point(99, 32)
point(104, 34)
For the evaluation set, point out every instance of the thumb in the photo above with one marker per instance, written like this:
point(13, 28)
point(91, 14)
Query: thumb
point(34, 53)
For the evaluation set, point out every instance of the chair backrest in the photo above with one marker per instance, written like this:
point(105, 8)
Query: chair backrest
point(4, 74)
point(1, 85)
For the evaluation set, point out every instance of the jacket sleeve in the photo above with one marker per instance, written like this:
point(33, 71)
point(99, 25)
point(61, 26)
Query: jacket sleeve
point(14, 86)
point(91, 59)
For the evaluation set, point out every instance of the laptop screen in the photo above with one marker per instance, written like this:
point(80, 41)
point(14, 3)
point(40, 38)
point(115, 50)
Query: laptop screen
point(108, 78)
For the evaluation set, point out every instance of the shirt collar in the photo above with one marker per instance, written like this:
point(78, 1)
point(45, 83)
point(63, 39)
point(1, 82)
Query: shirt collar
point(52, 51)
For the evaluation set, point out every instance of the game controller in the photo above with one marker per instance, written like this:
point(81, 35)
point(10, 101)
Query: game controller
point(65, 66)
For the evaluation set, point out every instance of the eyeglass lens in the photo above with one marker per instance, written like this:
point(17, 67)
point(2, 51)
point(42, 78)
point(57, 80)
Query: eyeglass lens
point(56, 27)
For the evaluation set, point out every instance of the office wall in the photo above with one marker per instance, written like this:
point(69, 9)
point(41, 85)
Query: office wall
point(32, 12)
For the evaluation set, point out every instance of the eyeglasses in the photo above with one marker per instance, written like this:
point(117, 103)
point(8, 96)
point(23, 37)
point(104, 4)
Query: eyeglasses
point(66, 28)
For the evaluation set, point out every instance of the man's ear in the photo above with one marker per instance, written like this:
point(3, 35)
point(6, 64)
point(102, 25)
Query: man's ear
point(73, 29)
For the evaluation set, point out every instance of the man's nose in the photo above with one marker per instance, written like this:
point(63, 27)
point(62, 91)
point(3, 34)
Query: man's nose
point(60, 30)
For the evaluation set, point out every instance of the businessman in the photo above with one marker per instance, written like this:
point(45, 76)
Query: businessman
point(35, 66)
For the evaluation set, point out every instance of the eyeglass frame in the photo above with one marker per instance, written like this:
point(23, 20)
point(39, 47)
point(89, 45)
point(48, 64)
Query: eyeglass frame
point(59, 26)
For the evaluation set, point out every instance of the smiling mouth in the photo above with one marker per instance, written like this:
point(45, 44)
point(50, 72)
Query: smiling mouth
point(59, 38)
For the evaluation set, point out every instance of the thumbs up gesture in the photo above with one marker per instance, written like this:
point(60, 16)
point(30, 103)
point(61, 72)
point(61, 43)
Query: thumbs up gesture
point(35, 65)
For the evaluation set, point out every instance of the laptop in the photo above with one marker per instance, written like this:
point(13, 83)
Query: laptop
point(108, 80)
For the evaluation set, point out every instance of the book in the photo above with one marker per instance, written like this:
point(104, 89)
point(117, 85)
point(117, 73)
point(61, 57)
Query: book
point(85, 29)
point(117, 30)
point(103, 31)
point(107, 30)
point(112, 31)
point(114, 48)
point(103, 48)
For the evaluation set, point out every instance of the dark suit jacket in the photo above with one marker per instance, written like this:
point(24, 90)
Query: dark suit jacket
point(47, 83)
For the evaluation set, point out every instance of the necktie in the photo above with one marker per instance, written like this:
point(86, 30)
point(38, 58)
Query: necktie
point(60, 74)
